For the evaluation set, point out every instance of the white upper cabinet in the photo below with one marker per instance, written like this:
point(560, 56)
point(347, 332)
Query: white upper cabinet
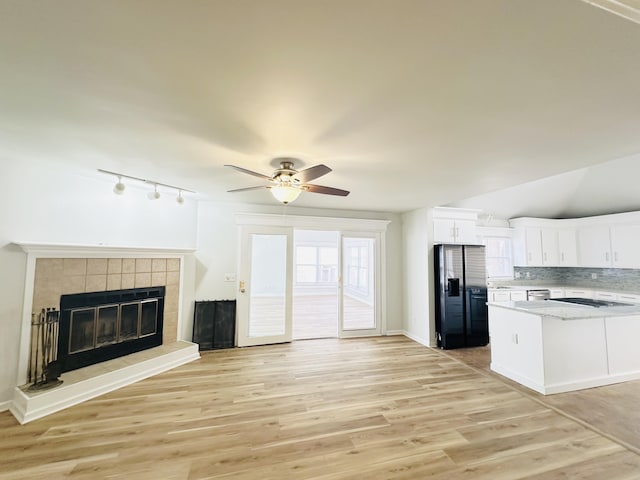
point(533, 246)
point(594, 246)
point(550, 256)
point(599, 242)
point(455, 225)
point(567, 247)
point(536, 243)
point(625, 242)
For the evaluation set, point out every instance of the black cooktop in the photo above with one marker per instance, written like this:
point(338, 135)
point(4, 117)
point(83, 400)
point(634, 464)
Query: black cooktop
point(590, 302)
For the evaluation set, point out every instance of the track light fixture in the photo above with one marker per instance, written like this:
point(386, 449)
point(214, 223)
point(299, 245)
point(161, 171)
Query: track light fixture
point(120, 187)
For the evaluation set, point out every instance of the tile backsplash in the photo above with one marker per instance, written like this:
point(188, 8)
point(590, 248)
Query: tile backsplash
point(623, 279)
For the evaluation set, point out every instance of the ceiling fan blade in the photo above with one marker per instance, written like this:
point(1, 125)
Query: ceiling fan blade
point(250, 172)
point(311, 173)
point(247, 189)
point(326, 190)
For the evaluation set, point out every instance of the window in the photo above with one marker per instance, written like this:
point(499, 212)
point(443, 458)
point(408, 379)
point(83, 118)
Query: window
point(498, 255)
point(316, 264)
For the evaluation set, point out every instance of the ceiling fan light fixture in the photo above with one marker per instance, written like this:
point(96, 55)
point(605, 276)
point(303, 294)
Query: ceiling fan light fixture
point(285, 193)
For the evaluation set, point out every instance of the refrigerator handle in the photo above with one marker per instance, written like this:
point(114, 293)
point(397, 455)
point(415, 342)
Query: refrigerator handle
point(453, 287)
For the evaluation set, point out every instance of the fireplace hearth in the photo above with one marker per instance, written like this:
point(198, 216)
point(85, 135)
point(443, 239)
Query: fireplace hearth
point(100, 326)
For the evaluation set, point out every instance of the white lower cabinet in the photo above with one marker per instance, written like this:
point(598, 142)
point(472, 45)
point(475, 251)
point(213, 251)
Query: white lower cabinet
point(571, 292)
point(605, 296)
point(628, 298)
point(518, 295)
point(506, 295)
point(622, 343)
point(554, 355)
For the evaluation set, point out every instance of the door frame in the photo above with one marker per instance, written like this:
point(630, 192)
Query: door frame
point(353, 226)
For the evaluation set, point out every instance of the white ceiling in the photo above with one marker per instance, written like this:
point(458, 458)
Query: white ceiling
point(412, 103)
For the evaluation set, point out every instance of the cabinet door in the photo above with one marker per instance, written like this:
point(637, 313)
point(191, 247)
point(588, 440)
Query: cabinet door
point(567, 248)
point(610, 296)
point(465, 231)
point(501, 296)
point(576, 293)
point(518, 295)
point(624, 245)
point(556, 292)
point(594, 246)
point(533, 239)
point(443, 231)
point(550, 247)
point(628, 298)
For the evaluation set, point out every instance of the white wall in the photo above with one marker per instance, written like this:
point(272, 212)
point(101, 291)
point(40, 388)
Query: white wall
point(418, 265)
point(217, 250)
point(44, 205)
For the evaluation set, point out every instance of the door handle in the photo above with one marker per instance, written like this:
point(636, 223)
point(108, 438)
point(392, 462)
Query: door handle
point(241, 286)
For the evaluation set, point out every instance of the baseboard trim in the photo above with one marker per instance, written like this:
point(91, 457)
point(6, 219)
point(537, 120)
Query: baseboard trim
point(394, 332)
point(415, 338)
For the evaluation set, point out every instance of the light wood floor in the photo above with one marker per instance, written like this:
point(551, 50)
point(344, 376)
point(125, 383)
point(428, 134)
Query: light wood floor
point(374, 408)
point(613, 410)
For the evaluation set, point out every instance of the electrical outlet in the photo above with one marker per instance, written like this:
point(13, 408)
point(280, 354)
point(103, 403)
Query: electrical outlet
point(594, 276)
point(517, 274)
point(528, 274)
point(229, 277)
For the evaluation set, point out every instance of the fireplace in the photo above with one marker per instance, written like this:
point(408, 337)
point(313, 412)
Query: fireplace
point(100, 326)
point(117, 301)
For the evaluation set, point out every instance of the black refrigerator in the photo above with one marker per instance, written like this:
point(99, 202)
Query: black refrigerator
point(461, 296)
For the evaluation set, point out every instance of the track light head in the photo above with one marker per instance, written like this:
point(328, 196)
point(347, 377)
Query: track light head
point(155, 195)
point(180, 198)
point(119, 187)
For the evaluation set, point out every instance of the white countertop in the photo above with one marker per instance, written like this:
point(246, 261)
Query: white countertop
point(567, 311)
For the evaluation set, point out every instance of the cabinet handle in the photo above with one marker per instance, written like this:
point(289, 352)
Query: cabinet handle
point(545, 256)
point(562, 256)
point(615, 256)
point(606, 256)
point(529, 256)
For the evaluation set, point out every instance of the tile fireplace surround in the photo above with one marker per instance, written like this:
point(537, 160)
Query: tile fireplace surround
point(55, 270)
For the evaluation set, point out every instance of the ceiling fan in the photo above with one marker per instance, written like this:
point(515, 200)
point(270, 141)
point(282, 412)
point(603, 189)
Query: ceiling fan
point(286, 183)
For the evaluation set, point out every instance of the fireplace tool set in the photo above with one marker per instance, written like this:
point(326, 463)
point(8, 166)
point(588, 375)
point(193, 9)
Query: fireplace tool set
point(44, 368)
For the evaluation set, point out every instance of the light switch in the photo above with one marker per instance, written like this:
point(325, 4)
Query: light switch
point(229, 277)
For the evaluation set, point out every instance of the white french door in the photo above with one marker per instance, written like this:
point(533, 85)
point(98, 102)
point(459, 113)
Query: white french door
point(264, 299)
point(360, 285)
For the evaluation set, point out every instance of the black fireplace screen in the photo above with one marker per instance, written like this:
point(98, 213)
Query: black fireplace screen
point(100, 326)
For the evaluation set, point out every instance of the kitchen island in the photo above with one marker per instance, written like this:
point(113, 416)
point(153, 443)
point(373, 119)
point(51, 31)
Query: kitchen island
point(553, 347)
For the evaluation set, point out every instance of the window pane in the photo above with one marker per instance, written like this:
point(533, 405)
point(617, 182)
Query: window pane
point(306, 273)
point(306, 255)
point(328, 256)
point(364, 256)
point(267, 306)
point(364, 278)
point(353, 276)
